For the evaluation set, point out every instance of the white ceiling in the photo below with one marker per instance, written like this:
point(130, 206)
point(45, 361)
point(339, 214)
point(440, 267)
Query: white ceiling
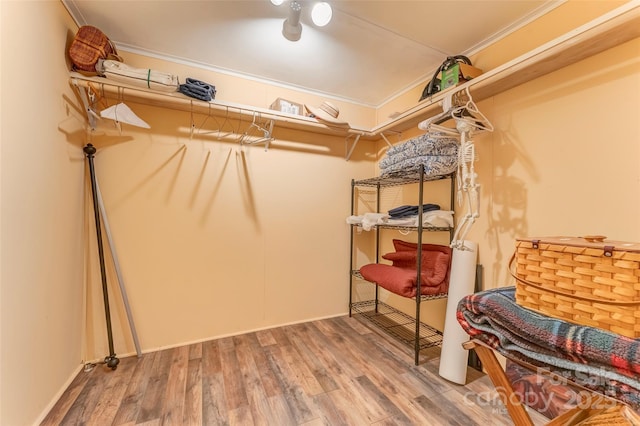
point(370, 52)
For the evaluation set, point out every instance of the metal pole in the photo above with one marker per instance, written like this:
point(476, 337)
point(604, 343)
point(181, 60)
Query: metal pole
point(116, 265)
point(419, 266)
point(111, 360)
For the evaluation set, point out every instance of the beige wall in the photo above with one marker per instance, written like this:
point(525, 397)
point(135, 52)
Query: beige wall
point(564, 158)
point(215, 238)
point(41, 233)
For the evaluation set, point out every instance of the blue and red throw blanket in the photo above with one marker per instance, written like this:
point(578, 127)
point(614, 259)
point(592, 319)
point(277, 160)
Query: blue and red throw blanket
point(596, 359)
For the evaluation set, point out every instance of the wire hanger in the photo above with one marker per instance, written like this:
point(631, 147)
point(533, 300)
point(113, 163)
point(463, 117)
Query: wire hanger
point(220, 127)
point(266, 130)
point(192, 123)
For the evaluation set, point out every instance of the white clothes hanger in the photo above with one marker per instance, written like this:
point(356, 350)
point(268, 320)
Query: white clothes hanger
point(265, 128)
point(471, 115)
point(121, 113)
point(460, 107)
point(92, 116)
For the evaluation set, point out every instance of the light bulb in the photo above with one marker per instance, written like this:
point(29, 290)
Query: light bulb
point(321, 13)
point(277, 2)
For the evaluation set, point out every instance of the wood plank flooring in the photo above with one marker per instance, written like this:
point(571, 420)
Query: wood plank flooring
point(335, 371)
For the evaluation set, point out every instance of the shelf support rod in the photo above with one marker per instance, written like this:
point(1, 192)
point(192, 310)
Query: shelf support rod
point(386, 140)
point(355, 142)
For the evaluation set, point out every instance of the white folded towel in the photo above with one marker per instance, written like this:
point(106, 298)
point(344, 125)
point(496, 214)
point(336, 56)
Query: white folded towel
point(368, 220)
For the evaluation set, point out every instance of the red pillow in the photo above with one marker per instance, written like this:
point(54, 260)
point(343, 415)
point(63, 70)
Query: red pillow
point(405, 246)
point(400, 245)
point(434, 267)
point(402, 259)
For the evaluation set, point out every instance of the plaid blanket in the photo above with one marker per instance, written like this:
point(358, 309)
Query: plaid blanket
point(596, 359)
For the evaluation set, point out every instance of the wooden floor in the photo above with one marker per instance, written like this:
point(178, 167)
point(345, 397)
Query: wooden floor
point(330, 372)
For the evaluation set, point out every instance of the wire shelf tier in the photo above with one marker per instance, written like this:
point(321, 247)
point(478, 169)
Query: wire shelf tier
point(401, 178)
point(397, 324)
point(408, 228)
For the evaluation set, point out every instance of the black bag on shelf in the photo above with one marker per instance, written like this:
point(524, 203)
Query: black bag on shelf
point(433, 86)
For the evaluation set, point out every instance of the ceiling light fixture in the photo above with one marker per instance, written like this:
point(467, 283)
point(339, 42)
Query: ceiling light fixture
point(292, 29)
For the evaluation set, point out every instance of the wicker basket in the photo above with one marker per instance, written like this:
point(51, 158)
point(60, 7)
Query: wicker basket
point(587, 281)
point(618, 415)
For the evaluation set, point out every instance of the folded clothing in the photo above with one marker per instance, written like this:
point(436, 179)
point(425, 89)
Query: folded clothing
point(198, 89)
point(402, 281)
point(406, 211)
point(435, 218)
point(434, 165)
point(400, 277)
point(368, 220)
point(432, 144)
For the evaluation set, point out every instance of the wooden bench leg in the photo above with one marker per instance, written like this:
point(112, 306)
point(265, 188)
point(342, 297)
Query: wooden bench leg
point(589, 408)
point(515, 408)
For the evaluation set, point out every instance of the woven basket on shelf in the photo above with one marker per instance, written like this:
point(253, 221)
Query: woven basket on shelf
point(587, 281)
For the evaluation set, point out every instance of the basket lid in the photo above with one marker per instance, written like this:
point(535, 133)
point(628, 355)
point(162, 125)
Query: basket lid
point(591, 241)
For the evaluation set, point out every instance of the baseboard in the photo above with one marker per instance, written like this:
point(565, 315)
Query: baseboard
point(58, 395)
point(238, 333)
